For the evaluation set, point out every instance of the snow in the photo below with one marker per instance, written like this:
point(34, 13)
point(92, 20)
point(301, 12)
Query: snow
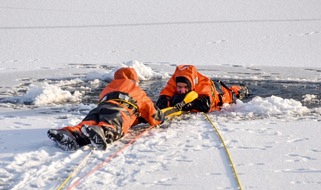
point(53, 53)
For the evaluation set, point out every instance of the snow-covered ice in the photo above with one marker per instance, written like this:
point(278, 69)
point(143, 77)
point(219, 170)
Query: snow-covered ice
point(55, 55)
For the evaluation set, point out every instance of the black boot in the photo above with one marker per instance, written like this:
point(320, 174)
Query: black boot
point(243, 92)
point(96, 136)
point(64, 139)
point(111, 134)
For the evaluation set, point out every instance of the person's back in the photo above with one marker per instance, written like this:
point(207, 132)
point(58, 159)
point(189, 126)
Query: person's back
point(124, 90)
point(121, 103)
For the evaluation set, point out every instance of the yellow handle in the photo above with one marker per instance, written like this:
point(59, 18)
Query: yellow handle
point(174, 110)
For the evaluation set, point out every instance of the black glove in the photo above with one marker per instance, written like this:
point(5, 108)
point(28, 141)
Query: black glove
point(141, 120)
point(159, 115)
point(202, 104)
point(176, 99)
point(163, 102)
point(188, 107)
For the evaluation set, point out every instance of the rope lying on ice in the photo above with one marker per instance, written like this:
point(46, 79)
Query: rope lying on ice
point(226, 151)
point(109, 158)
point(167, 112)
point(75, 170)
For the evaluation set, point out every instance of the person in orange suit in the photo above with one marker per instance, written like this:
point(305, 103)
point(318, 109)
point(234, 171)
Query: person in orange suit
point(122, 104)
point(211, 94)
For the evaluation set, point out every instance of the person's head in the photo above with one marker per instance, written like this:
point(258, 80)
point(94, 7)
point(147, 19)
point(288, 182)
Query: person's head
point(186, 78)
point(183, 85)
point(127, 72)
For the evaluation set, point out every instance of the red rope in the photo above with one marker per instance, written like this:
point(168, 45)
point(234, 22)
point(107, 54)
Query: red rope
point(108, 159)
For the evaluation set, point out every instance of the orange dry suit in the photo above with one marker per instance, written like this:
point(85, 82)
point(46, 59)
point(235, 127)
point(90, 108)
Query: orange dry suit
point(122, 104)
point(211, 95)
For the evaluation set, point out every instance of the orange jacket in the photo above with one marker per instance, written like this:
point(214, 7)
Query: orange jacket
point(200, 84)
point(126, 82)
point(125, 92)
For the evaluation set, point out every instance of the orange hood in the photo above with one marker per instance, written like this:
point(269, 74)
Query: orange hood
point(189, 72)
point(126, 73)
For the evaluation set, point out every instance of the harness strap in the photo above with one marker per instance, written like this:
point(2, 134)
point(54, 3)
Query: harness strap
point(121, 98)
point(127, 104)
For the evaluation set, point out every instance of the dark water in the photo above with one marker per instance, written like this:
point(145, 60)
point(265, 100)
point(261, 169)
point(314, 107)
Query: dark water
point(263, 88)
point(285, 89)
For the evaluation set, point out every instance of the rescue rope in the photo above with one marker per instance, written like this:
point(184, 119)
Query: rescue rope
point(108, 158)
point(226, 151)
point(188, 98)
point(75, 170)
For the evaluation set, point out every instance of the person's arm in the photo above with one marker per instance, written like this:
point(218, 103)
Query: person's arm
point(163, 102)
point(150, 113)
point(201, 104)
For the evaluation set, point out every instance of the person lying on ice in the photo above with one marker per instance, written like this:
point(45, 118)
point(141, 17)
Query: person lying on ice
point(122, 104)
point(211, 95)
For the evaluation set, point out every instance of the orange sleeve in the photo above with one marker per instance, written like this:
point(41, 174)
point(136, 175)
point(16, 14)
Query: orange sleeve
point(149, 112)
point(205, 87)
point(170, 88)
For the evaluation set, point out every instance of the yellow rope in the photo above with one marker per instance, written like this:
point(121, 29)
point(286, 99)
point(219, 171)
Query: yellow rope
point(228, 154)
point(74, 171)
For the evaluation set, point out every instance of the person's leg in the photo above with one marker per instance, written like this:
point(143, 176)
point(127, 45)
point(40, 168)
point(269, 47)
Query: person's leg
point(241, 92)
point(108, 127)
point(113, 118)
point(114, 122)
point(71, 137)
point(64, 139)
point(96, 136)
